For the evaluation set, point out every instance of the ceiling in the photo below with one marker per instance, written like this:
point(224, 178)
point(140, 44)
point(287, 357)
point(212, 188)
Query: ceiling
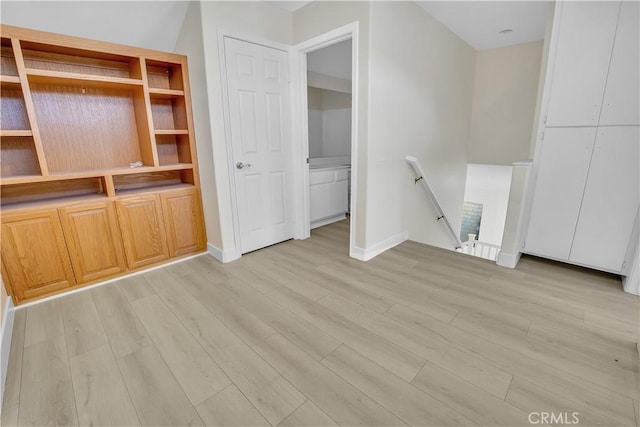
point(149, 24)
point(478, 22)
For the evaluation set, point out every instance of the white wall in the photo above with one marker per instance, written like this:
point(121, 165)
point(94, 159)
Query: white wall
point(147, 24)
point(257, 19)
point(489, 185)
point(334, 60)
point(504, 100)
point(420, 105)
point(329, 123)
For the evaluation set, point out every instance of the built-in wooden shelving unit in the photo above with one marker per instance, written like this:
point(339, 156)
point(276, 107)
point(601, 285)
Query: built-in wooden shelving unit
point(74, 115)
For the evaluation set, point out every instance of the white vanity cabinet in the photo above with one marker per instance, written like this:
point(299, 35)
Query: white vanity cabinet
point(328, 195)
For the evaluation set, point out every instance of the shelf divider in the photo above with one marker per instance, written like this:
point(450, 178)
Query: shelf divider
point(28, 102)
point(16, 132)
point(63, 77)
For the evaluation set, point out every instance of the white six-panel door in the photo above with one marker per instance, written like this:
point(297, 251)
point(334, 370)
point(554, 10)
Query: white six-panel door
point(258, 90)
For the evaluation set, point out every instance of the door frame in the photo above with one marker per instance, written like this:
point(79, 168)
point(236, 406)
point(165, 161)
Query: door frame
point(300, 124)
point(222, 59)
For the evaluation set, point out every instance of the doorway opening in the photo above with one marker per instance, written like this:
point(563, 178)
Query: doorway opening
point(328, 73)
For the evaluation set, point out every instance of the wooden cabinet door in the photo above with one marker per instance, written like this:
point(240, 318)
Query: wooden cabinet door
point(142, 228)
point(93, 240)
point(34, 254)
point(183, 222)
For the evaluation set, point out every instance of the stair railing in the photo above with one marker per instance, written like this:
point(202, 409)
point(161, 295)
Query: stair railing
point(422, 179)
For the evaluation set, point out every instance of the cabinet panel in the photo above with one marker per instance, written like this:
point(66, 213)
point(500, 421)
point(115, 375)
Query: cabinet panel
point(318, 202)
point(611, 199)
point(93, 240)
point(585, 40)
point(622, 94)
point(142, 228)
point(183, 222)
point(338, 197)
point(34, 254)
point(562, 174)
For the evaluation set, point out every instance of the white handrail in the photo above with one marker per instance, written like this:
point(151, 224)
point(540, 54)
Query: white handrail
point(422, 179)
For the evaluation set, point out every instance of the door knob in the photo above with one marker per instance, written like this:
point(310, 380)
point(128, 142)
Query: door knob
point(241, 165)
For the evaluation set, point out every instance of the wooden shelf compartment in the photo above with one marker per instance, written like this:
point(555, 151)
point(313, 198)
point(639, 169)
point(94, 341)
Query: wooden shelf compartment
point(165, 93)
point(18, 157)
point(173, 149)
point(92, 128)
point(164, 75)
point(153, 181)
point(8, 65)
point(36, 194)
point(62, 59)
point(13, 110)
point(169, 114)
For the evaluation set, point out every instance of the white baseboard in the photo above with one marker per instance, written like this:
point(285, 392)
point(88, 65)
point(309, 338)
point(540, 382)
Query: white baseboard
point(327, 221)
point(223, 256)
point(508, 260)
point(5, 341)
point(365, 254)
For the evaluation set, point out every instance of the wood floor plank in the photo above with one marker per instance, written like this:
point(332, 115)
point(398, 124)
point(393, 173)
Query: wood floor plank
point(314, 341)
point(14, 367)
point(617, 380)
point(194, 369)
point(630, 331)
point(242, 322)
point(339, 399)
point(308, 415)
point(46, 394)
point(474, 403)
point(124, 331)
point(154, 391)
point(82, 325)
point(530, 398)
point(101, 396)
point(553, 379)
point(44, 321)
point(398, 396)
point(438, 352)
point(230, 408)
point(9, 416)
point(378, 349)
point(135, 288)
point(259, 382)
point(251, 278)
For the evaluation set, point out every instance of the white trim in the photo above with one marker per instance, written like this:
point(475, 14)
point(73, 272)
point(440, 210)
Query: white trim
point(365, 254)
point(327, 221)
point(300, 124)
point(106, 282)
point(508, 260)
point(631, 282)
point(5, 342)
point(223, 256)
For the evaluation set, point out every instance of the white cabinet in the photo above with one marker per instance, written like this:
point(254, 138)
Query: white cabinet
point(562, 173)
point(622, 94)
point(610, 201)
point(584, 44)
point(328, 195)
point(586, 192)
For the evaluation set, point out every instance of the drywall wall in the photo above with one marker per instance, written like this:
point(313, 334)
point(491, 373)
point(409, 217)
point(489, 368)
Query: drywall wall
point(504, 100)
point(254, 19)
point(148, 24)
point(318, 18)
point(190, 42)
point(334, 60)
point(489, 186)
point(420, 104)
point(329, 123)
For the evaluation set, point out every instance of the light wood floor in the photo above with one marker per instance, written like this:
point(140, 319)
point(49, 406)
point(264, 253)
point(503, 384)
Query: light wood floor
point(299, 334)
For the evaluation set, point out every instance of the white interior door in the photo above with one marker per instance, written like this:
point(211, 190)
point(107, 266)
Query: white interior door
point(258, 91)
